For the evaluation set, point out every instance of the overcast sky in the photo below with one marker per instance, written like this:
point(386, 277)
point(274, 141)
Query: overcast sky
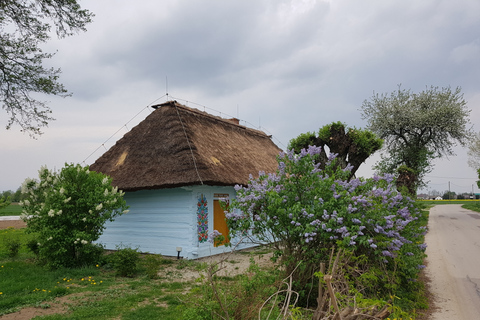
point(286, 66)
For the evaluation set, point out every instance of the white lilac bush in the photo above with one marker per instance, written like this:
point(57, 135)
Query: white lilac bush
point(305, 212)
point(67, 210)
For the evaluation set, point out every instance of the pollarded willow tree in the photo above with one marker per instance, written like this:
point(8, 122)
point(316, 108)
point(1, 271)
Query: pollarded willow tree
point(351, 146)
point(24, 26)
point(417, 128)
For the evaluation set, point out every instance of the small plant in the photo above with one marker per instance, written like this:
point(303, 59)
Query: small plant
point(152, 264)
point(13, 246)
point(32, 245)
point(125, 261)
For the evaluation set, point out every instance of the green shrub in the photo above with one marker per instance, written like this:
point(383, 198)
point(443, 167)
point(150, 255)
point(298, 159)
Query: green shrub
point(152, 263)
point(13, 246)
point(305, 210)
point(125, 261)
point(32, 245)
point(67, 211)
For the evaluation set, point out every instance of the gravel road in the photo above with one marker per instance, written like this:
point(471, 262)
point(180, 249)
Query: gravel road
point(454, 262)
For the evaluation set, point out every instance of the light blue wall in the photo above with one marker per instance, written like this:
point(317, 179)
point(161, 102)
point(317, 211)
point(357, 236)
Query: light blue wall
point(159, 221)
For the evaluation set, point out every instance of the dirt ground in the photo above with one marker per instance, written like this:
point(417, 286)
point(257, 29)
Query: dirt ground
point(4, 224)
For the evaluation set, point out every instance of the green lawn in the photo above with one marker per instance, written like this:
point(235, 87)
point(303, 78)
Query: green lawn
point(97, 292)
point(11, 210)
point(90, 292)
point(473, 205)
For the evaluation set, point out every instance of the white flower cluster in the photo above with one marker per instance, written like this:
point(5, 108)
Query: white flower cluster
point(25, 184)
point(52, 213)
point(80, 241)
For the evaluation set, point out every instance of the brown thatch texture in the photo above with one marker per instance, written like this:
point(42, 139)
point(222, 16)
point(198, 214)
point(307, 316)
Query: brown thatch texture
point(179, 146)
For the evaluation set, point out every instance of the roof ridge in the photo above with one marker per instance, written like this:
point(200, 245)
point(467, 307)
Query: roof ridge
point(176, 104)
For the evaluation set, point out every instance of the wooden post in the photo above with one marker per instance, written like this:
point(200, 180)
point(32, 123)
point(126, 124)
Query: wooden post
point(328, 280)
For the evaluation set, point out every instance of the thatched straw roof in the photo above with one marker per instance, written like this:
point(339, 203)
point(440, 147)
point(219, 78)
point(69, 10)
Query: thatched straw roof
point(180, 146)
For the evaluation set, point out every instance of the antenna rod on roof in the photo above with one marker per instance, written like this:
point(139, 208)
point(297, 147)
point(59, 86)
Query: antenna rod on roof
point(166, 86)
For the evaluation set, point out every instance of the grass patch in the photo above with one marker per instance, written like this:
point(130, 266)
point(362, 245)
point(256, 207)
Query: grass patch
point(13, 209)
point(473, 205)
point(88, 293)
point(11, 234)
point(437, 202)
point(23, 283)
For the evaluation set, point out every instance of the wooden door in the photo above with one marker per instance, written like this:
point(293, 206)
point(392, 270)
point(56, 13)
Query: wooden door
point(219, 221)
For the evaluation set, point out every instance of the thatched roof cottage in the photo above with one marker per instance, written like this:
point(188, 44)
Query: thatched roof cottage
point(175, 166)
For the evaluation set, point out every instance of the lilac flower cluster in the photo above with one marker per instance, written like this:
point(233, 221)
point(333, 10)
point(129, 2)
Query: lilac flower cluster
point(213, 235)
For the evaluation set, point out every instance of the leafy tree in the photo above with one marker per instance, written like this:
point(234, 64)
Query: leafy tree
point(68, 210)
point(478, 182)
point(351, 145)
point(417, 128)
point(17, 196)
point(474, 152)
point(449, 195)
point(4, 202)
point(24, 26)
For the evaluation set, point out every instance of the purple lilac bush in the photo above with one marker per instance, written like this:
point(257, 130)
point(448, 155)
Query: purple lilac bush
point(305, 211)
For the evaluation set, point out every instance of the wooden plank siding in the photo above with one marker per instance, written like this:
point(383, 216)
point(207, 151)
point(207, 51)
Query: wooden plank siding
point(158, 222)
point(161, 220)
